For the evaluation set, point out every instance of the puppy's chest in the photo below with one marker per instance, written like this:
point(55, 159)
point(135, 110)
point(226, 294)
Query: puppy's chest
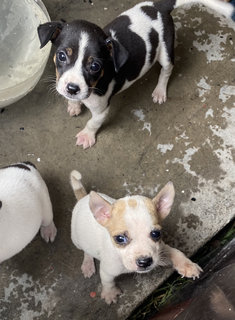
point(98, 103)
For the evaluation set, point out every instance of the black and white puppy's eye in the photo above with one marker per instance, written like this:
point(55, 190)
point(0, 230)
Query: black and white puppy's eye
point(61, 56)
point(155, 235)
point(95, 67)
point(121, 239)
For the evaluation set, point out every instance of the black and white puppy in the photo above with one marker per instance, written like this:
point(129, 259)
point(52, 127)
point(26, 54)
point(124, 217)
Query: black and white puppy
point(93, 64)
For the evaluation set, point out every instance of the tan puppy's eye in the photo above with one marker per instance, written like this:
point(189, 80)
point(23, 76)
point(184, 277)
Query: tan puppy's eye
point(155, 235)
point(121, 239)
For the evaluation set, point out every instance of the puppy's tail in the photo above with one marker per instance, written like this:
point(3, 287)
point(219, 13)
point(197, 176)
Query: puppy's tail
point(78, 189)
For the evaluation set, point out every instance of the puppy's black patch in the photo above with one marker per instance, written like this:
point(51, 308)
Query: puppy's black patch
point(150, 11)
point(169, 35)
point(134, 45)
point(164, 7)
point(18, 165)
point(154, 40)
point(0, 204)
point(64, 61)
point(29, 164)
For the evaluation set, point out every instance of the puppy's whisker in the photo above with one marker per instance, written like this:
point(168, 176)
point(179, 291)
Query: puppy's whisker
point(135, 276)
point(52, 84)
point(97, 90)
point(52, 89)
point(49, 78)
point(54, 92)
point(163, 260)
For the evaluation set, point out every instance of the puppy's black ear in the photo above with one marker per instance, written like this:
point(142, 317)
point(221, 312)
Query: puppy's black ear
point(49, 31)
point(118, 53)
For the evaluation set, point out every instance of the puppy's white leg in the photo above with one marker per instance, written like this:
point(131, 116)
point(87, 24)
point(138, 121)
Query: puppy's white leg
point(86, 137)
point(160, 92)
point(48, 233)
point(182, 264)
point(88, 266)
point(109, 290)
point(74, 108)
point(48, 229)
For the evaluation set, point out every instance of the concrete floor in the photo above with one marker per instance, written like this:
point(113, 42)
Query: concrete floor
point(189, 140)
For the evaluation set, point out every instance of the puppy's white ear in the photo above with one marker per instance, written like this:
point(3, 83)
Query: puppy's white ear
point(164, 200)
point(100, 208)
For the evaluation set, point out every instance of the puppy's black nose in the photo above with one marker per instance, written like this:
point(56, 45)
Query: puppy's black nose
point(144, 262)
point(72, 88)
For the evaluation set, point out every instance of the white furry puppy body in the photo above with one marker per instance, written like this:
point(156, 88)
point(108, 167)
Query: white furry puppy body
point(96, 241)
point(124, 234)
point(25, 207)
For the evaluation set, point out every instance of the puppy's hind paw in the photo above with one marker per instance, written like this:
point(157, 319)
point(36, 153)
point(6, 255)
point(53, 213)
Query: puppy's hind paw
point(110, 295)
point(48, 233)
point(159, 95)
point(88, 266)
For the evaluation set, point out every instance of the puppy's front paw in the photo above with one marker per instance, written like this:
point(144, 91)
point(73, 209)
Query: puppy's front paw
point(74, 108)
point(189, 269)
point(159, 95)
point(48, 233)
point(110, 295)
point(85, 138)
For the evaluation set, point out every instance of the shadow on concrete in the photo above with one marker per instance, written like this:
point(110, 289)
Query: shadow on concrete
point(210, 298)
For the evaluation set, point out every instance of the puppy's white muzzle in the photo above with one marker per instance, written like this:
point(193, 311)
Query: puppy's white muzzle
point(72, 90)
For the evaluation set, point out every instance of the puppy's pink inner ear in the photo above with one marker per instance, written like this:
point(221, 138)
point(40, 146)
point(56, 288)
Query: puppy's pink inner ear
point(164, 200)
point(100, 208)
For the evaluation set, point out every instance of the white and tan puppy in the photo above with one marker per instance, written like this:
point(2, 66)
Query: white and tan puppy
point(25, 207)
point(124, 234)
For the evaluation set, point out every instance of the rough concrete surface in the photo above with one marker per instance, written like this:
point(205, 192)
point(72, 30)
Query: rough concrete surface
point(189, 140)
